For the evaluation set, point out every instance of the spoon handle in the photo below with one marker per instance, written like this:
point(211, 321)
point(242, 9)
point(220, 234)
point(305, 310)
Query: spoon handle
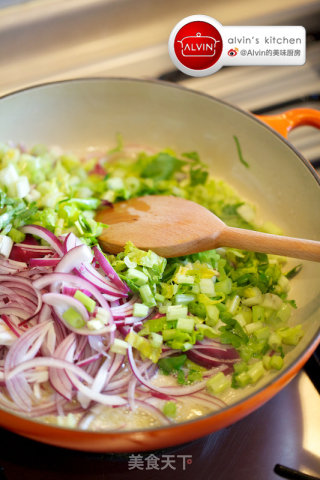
point(268, 243)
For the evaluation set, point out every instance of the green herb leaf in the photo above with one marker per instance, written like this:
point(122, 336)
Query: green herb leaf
point(162, 167)
point(242, 160)
point(170, 364)
point(294, 271)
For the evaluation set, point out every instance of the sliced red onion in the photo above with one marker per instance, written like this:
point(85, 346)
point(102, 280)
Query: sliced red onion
point(88, 360)
point(50, 362)
point(11, 266)
point(105, 203)
point(207, 360)
point(216, 351)
point(78, 282)
point(71, 291)
point(49, 343)
point(126, 309)
point(29, 240)
point(8, 322)
point(24, 349)
point(71, 241)
point(97, 383)
point(45, 235)
point(82, 343)
point(41, 249)
point(25, 284)
point(96, 343)
point(117, 361)
point(44, 262)
point(89, 273)
point(23, 254)
point(210, 398)
point(109, 270)
point(131, 393)
point(95, 396)
point(74, 281)
point(59, 300)
point(74, 258)
point(58, 378)
point(174, 391)
point(154, 411)
point(19, 312)
point(120, 385)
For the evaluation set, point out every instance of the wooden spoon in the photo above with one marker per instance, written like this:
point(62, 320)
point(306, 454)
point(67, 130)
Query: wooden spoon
point(173, 226)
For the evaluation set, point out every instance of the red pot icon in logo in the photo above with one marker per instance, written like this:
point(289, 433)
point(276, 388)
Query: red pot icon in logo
point(198, 45)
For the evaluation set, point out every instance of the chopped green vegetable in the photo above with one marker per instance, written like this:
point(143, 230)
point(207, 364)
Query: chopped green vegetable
point(74, 318)
point(170, 409)
point(239, 298)
point(242, 160)
point(85, 300)
point(294, 271)
point(218, 383)
point(170, 364)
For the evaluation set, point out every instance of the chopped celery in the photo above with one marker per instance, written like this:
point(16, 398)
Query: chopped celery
point(266, 360)
point(208, 331)
point(147, 296)
point(138, 277)
point(185, 324)
point(185, 279)
point(85, 300)
point(276, 362)
point(119, 346)
point(233, 304)
point(94, 324)
point(253, 296)
point(291, 335)
point(144, 346)
point(140, 310)
point(212, 315)
point(284, 312)
point(207, 287)
point(159, 297)
point(240, 319)
point(224, 286)
point(218, 383)
point(156, 340)
point(242, 379)
point(74, 318)
point(262, 333)
point(238, 297)
point(103, 315)
point(274, 341)
point(16, 236)
point(257, 313)
point(170, 409)
point(176, 311)
point(270, 300)
point(256, 371)
point(183, 299)
point(252, 327)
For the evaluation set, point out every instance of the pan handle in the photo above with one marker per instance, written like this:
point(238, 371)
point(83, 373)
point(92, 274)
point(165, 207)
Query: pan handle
point(283, 123)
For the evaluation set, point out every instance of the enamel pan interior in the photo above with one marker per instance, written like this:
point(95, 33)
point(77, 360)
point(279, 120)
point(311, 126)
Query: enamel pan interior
point(90, 112)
